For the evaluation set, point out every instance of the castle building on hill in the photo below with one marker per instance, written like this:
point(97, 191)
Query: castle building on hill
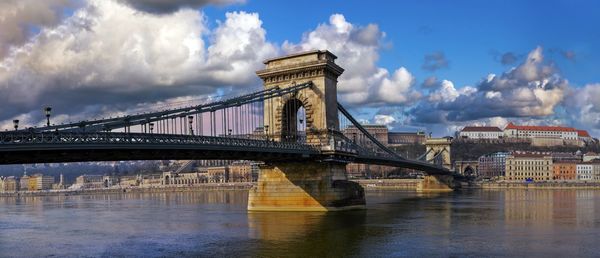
point(537, 135)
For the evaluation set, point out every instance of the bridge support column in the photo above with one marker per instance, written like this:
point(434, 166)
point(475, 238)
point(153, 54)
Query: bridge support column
point(306, 186)
point(437, 183)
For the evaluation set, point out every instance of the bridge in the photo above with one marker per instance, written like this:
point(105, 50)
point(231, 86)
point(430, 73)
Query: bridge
point(294, 125)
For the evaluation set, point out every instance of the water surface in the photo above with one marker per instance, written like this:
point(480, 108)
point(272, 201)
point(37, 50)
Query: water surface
point(549, 223)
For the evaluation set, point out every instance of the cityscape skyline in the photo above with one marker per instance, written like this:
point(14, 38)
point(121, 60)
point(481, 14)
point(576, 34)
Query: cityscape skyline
point(176, 128)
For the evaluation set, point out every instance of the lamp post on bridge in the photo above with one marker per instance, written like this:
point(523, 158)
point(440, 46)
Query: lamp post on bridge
point(16, 124)
point(267, 131)
point(47, 112)
point(191, 121)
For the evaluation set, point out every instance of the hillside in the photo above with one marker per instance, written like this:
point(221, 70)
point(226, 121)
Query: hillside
point(461, 150)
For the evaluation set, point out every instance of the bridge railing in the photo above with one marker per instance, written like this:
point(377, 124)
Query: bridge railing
point(25, 138)
point(335, 141)
point(366, 143)
point(178, 113)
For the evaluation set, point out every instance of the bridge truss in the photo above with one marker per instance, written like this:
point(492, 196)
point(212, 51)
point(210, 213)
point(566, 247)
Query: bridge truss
point(225, 129)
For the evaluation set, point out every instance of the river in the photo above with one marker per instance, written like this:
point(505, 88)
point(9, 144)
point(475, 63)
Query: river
point(548, 223)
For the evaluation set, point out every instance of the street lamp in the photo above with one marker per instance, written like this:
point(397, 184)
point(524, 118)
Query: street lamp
point(191, 121)
point(16, 123)
point(267, 131)
point(47, 112)
point(151, 127)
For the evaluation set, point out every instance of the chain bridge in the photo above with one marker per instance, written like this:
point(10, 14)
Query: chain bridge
point(294, 125)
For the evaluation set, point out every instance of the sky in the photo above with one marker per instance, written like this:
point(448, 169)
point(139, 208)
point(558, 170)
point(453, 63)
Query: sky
point(412, 65)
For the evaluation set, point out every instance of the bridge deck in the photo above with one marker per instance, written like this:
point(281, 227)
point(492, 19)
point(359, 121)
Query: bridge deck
point(43, 147)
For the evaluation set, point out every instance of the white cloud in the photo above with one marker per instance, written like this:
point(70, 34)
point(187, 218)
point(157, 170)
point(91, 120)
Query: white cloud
point(532, 89)
point(584, 107)
point(384, 120)
point(357, 49)
point(18, 16)
point(498, 121)
point(447, 92)
point(493, 94)
point(108, 53)
point(397, 90)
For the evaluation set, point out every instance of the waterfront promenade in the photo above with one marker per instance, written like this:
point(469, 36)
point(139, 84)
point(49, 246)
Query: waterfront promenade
point(133, 189)
point(368, 184)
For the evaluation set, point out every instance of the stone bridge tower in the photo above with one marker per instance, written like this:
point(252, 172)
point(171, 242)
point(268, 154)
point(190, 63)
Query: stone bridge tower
point(303, 186)
point(435, 146)
point(319, 102)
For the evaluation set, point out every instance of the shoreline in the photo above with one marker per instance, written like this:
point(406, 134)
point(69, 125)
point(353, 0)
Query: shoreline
point(538, 185)
point(367, 184)
point(154, 189)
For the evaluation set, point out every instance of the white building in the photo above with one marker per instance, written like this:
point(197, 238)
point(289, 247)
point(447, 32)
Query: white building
point(531, 131)
point(548, 135)
point(590, 156)
point(481, 132)
point(596, 170)
point(585, 171)
point(89, 181)
point(44, 182)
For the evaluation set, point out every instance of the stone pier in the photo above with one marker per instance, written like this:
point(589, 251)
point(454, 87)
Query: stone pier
point(444, 183)
point(314, 186)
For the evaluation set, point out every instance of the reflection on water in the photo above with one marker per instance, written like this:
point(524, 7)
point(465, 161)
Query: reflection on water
point(307, 234)
point(469, 223)
point(284, 226)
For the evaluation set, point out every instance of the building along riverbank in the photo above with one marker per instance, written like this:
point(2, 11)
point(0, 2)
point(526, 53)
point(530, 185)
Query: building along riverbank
point(153, 189)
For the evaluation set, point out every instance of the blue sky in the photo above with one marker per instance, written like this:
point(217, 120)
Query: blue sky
point(470, 33)
point(411, 65)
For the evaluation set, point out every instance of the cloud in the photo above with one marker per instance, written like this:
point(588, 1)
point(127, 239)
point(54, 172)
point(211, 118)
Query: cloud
point(584, 106)
point(532, 89)
point(569, 55)
point(498, 121)
point(110, 54)
point(430, 82)
point(19, 18)
point(435, 61)
point(357, 48)
point(447, 92)
point(122, 56)
point(508, 58)
point(170, 6)
point(384, 120)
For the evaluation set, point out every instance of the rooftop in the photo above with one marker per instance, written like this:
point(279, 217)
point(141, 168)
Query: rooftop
point(481, 129)
point(303, 53)
point(583, 133)
point(407, 133)
point(520, 154)
point(539, 128)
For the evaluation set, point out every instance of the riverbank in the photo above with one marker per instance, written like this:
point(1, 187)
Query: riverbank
point(154, 189)
point(538, 185)
point(389, 184)
point(367, 184)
